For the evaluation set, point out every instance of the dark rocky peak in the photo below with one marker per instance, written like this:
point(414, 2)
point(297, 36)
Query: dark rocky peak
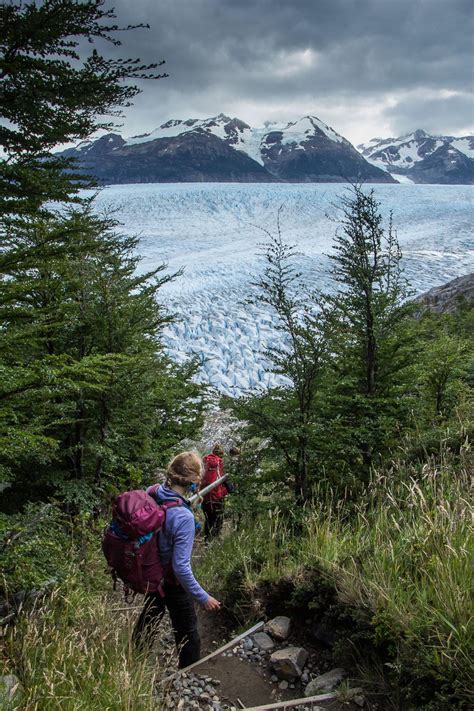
point(170, 123)
point(233, 130)
point(140, 135)
point(105, 144)
point(420, 134)
point(217, 120)
point(236, 124)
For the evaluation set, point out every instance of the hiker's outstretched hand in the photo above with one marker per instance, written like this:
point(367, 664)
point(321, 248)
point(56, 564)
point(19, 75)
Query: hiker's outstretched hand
point(211, 603)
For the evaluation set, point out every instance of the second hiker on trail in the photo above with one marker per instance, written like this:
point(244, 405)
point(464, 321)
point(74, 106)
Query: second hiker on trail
point(181, 588)
point(213, 503)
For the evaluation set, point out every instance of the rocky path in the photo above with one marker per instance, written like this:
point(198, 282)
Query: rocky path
point(264, 668)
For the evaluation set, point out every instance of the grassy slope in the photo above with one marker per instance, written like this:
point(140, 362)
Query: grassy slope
point(400, 563)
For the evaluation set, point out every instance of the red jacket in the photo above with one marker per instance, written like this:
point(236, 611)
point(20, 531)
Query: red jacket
point(213, 469)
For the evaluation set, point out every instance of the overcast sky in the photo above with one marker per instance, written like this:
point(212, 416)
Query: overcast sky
point(366, 67)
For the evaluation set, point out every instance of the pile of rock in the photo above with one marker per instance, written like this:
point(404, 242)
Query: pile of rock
point(193, 691)
point(290, 665)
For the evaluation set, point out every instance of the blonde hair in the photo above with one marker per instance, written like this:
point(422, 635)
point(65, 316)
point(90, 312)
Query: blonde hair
point(184, 469)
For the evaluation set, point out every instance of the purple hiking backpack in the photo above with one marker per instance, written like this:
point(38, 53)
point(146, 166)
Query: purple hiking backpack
point(130, 542)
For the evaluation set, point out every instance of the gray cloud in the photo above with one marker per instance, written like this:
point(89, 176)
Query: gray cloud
point(367, 66)
point(434, 113)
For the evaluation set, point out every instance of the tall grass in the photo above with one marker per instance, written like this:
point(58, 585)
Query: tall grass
point(73, 653)
point(406, 556)
point(403, 555)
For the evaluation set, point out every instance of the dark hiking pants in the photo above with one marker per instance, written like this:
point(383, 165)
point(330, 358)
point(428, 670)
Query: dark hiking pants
point(214, 514)
point(183, 619)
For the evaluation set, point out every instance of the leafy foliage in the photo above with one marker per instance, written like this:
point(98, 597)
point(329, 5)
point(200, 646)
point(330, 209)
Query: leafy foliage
point(35, 548)
point(89, 402)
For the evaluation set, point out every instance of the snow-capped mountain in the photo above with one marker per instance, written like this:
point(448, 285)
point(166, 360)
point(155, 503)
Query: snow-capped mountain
point(308, 150)
point(224, 149)
point(188, 157)
point(424, 158)
point(255, 142)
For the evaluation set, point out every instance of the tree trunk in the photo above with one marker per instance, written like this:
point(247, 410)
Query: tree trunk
point(302, 470)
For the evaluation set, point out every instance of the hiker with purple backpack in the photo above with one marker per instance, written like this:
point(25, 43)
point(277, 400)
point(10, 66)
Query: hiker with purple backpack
point(180, 587)
point(158, 562)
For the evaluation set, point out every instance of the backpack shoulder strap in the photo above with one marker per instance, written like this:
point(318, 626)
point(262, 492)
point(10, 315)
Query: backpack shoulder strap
point(170, 503)
point(152, 490)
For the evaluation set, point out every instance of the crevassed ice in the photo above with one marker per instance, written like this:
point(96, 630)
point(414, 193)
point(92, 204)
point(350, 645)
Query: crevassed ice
point(214, 232)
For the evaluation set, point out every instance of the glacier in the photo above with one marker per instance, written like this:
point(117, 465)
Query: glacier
point(215, 232)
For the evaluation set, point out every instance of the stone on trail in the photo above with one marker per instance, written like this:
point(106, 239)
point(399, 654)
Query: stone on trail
point(288, 663)
point(325, 682)
point(263, 641)
point(278, 628)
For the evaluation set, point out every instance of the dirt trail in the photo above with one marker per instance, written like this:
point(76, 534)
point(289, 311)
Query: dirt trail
point(241, 680)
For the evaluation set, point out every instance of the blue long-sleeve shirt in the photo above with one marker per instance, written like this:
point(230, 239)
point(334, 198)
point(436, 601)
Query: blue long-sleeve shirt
point(175, 542)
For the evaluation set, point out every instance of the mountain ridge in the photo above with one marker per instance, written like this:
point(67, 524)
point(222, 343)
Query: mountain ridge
point(424, 158)
point(225, 149)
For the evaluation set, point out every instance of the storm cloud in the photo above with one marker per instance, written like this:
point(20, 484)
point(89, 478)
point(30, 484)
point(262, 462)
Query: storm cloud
point(366, 67)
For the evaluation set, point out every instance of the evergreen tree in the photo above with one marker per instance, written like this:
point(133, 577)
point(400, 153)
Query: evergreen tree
point(371, 337)
point(53, 92)
point(286, 414)
point(88, 399)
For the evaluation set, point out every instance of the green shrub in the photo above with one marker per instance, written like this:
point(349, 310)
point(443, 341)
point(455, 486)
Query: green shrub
point(35, 548)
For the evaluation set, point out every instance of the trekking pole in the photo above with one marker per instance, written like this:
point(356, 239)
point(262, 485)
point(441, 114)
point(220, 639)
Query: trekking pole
point(195, 497)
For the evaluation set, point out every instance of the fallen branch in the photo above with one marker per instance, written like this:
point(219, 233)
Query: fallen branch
point(215, 653)
point(292, 703)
